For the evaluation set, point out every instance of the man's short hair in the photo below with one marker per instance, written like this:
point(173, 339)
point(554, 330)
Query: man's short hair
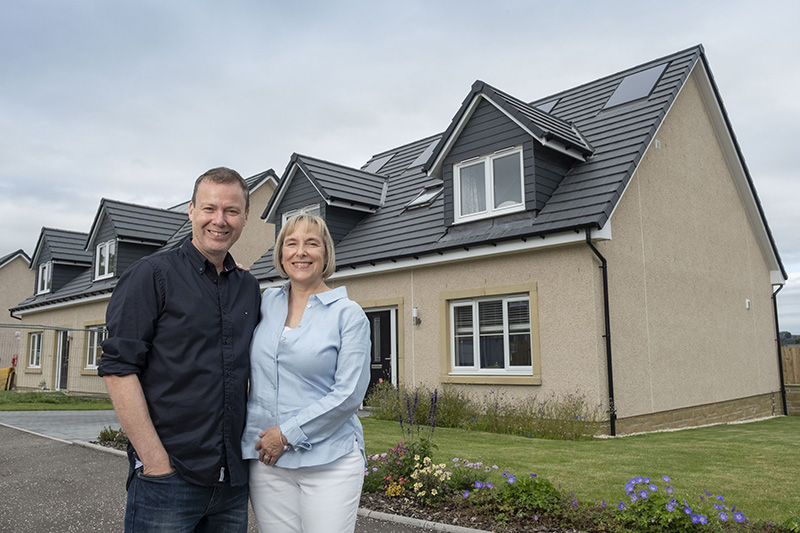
point(313, 222)
point(223, 175)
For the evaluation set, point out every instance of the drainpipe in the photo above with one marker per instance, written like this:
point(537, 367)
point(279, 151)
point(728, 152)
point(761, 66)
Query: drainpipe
point(780, 357)
point(612, 410)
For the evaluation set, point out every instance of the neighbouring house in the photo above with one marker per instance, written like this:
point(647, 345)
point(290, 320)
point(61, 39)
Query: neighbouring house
point(606, 240)
point(63, 321)
point(16, 280)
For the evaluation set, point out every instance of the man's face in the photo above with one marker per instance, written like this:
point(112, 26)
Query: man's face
point(218, 216)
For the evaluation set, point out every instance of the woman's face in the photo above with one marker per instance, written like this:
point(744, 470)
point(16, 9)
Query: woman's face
point(303, 255)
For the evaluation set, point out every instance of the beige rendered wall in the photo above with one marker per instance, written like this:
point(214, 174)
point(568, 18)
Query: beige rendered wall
point(76, 318)
point(16, 283)
point(569, 343)
point(258, 236)
point(683, 261)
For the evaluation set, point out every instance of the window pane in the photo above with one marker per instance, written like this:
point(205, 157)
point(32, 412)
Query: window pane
point(507, 181)
point(492, 351)
point(472, 181)
point(463, 341)
point(519, 347)
point(465, 355)
point(112, 257)
point(519, 316)
point(490, 317)
point(463, 320)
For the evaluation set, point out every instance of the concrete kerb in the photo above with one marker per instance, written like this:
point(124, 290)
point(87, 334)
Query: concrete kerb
point(365, 513)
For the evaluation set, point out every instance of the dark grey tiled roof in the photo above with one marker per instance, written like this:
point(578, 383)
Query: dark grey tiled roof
point(12, 255)
point(614, 141)
point(80, 287)
point(336, 184)
point(64, 246)
point(138, 222)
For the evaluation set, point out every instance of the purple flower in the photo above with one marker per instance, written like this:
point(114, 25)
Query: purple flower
point(702, 519)
point(738, 516)
point(695, 519)
point(669, 490)
point(478, 484)
point(488, 485)
point(666, 478)
point(465, 493)
point(621, 506)
point(533, 475)
point(511, 478)
point(505, 473)
point(723, 516)
point(643, 494)
point(687, 510)
point(670, 507)
point(603, 504)
point(653, 488)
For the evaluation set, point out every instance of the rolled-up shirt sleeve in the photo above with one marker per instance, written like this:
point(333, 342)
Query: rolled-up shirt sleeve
point(321, 419)
point(131, 319)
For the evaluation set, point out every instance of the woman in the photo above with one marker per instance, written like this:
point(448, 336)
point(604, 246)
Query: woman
point(309, 373)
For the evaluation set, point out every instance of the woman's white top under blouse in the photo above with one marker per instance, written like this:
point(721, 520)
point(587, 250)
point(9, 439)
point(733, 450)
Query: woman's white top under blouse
point(309, 380)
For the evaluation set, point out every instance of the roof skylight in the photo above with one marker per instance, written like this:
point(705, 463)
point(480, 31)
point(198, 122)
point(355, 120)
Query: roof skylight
point(377, 164)
point(425, 197)
point(636, 86)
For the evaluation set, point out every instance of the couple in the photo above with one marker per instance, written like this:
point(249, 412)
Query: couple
point(188, 330)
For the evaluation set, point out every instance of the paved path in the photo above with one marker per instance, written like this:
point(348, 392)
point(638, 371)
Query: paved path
point(56, 483)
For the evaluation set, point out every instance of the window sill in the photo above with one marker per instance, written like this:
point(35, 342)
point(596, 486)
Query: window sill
point(491, 379)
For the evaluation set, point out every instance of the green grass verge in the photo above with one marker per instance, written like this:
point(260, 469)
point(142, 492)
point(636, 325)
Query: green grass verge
point(50, 401)
point(755, 466)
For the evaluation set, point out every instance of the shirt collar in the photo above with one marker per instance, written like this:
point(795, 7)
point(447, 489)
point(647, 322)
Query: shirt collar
point(325, 298)
point(200, 262)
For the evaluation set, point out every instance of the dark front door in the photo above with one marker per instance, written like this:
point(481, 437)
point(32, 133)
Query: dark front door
point(381, 329)
point(63, 360)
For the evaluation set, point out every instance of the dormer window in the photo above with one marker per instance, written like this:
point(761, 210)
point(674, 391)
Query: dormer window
point(489, 186)
point(45, 281)
point(105, 260)
point(312, 209)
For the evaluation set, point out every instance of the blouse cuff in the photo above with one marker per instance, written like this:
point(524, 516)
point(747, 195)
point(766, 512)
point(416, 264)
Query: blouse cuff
point(296, 437)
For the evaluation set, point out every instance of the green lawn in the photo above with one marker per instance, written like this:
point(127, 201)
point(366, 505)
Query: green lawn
point(755, 466)
point(49, 401)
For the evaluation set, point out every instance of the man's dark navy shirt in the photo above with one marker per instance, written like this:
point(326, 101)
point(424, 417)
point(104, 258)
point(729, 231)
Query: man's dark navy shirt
point(185, 331)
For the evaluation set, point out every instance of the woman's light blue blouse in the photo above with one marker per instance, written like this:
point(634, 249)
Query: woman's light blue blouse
point(309, 380)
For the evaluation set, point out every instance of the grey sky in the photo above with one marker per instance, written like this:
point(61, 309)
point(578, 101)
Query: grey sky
point(132, 100)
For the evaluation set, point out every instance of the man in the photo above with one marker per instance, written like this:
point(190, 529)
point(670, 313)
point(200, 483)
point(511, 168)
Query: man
point(176, 365)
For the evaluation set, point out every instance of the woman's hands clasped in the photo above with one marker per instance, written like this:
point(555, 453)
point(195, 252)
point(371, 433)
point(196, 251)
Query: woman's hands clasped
point(271, 445)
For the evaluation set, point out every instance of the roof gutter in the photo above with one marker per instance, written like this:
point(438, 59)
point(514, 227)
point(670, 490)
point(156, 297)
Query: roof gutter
point(612, 410)
point(780, 356)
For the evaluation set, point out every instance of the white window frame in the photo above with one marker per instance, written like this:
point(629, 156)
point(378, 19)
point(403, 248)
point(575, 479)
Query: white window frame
point(302, 210)
point(105, 250)
point(95, 335)
point(45, 281)
point(476, 369)
point(488, 183)
point(35, 349)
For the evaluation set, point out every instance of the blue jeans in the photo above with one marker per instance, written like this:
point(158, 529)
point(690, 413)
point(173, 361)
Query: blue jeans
point(169, 504)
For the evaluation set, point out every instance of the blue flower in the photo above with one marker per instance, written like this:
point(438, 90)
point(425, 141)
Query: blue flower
point(702, 519)
point(634, 497)
point(687, 510)
point(465, 493)
point(695, 519)
point(666, 478)
point(621, 506)
point(670, 507)
point(723, 516)
point(669, 490)
point(478, 484)
point(653, 488)
point(511, 478)
point(505, 473)
point(488, 485)
point(643, 494)
point(738, 516)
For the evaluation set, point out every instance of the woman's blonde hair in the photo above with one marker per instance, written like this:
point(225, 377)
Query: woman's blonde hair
point(315, 223)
